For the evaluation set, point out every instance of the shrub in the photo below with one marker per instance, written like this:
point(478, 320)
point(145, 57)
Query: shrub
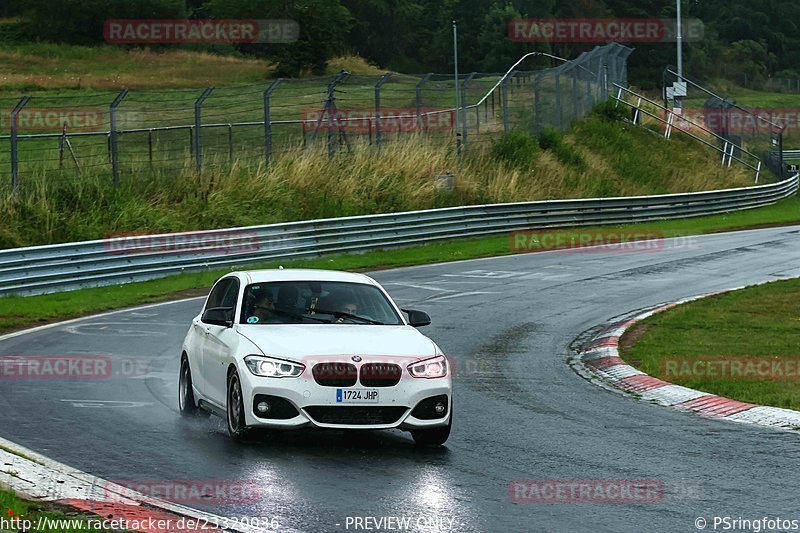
point(515, 149)
point(611, 111)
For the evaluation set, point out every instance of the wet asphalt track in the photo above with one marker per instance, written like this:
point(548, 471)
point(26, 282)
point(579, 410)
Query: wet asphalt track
point(520, 411)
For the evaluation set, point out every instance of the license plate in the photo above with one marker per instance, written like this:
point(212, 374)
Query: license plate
point(356, 396)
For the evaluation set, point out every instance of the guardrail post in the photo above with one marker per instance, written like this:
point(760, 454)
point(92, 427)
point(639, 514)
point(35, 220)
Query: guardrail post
point(378, 86)
point(14, 152)
point(113, 145)
point(198, 127)
point(418, 97)
point(464, 110)
point(268, 119)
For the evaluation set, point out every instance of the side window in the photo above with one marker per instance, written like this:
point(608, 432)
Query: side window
point(218, 293)
point(231, 295)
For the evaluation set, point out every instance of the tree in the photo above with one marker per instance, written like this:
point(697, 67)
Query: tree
point(82, 21)
point(324, 25)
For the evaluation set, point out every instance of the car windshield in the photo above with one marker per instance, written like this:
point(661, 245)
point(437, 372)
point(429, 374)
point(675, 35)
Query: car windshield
point(316, 302)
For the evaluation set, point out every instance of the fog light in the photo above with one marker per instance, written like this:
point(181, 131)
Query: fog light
point(263, 407)
point(440, 408)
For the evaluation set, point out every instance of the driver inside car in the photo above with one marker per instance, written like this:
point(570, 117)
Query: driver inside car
point(263, 309)
point(349, 307)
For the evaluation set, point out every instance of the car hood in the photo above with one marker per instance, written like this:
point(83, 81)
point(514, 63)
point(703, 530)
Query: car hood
point(302, 342)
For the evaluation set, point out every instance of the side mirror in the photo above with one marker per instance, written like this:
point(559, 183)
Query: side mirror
point(417, 318)
point(218, 316)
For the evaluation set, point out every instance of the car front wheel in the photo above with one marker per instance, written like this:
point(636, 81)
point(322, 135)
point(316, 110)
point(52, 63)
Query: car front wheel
point(236, 423)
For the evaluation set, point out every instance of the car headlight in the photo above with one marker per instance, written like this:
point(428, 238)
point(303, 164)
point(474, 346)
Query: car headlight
point(435, 367)
point(273, 368)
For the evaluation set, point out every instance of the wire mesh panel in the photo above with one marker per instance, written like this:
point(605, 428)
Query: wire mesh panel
point(122, 136)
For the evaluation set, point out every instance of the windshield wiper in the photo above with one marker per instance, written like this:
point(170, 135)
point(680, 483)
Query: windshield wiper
point(342, 314)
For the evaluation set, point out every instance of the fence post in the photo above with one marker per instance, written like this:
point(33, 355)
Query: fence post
point(464, 110)
point(198, 126)
point(418, 95)
point(330, 108)
point(559, 117)
point(268, 120)
point(576, 108)
point(14, 154)
point(537, 106)
point(505, 103)
point(150, 147)
point(112, 114)
point(378, 86)
point(230, 142)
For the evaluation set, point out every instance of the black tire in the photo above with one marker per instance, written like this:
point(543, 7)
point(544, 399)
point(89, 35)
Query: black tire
point(237, 428)
point(186, 402)
point(433, 436)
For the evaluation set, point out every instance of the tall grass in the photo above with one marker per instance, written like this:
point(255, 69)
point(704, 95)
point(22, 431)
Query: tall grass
point(612, 159)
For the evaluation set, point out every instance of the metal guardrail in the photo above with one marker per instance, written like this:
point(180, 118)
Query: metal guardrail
point(791, 154)
point(60, 267)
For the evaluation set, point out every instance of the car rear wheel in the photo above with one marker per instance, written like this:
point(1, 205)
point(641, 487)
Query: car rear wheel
point(186, 402)
point(433, 436)
point(236, 423)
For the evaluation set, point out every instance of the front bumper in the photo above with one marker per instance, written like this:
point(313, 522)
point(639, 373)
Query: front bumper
point(316, 405)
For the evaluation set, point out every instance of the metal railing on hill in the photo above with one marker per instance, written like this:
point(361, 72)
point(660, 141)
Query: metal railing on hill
point(672, 122)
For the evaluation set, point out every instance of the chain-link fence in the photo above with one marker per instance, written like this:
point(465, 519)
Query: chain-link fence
point(134, 133)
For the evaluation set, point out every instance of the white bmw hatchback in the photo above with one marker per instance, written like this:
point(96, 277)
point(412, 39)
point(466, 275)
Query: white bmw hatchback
point(288, 349)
